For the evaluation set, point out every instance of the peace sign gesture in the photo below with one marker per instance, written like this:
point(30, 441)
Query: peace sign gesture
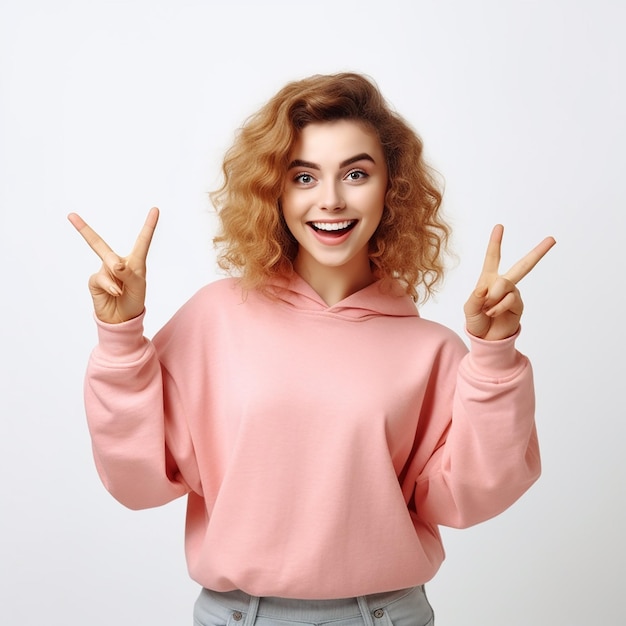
point(494, 309)
point(118, 289)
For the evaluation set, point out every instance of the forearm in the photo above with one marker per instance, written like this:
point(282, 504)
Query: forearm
point(490, 456)
point(124, 404)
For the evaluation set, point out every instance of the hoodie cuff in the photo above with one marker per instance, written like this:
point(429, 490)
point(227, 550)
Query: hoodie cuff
point(124, 340)
point(495, 359)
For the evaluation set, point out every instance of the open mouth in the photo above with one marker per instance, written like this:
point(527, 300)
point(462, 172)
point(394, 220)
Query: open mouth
point(333, 228)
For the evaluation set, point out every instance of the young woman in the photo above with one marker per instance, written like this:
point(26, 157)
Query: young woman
point(321, 430)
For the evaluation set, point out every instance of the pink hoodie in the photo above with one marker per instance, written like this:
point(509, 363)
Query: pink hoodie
point(320, 447)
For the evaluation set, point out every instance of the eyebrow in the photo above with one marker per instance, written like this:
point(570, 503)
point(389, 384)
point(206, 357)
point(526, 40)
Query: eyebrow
point(314, 166)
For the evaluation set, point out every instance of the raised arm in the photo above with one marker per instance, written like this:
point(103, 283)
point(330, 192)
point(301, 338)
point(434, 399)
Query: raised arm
point(118, 289)
point(136, 443)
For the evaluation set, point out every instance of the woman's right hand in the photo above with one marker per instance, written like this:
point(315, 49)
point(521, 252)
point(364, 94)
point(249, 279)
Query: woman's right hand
point(118, 289)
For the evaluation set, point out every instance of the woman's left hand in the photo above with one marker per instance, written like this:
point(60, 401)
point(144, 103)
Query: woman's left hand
point(494, 309)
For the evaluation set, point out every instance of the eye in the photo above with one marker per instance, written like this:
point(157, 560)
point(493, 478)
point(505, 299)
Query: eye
point(303, 178)
point(356, 175)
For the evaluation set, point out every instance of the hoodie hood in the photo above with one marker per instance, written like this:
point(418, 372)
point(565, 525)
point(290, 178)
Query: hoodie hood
point(383, 297)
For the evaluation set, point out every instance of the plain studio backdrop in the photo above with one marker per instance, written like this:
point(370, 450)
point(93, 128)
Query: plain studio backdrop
point(109, 108)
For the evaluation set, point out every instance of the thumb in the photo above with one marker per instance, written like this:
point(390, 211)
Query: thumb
point(476, 302)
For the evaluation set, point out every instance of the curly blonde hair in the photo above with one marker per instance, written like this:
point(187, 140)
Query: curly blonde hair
point(411, 238)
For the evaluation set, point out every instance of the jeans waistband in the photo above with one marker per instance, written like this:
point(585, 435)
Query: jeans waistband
point(312, 610)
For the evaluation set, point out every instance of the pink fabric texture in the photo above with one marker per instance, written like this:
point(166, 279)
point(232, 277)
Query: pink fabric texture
point(319, 447)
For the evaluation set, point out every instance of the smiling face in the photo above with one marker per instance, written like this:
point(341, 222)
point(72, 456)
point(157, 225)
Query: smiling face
point(333, 200)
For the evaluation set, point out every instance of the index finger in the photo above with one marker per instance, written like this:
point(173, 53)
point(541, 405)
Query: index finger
point(527, 263)
point(96, 243)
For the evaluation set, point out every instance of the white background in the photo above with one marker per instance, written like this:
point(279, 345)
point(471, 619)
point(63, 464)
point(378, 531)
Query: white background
point(108, 108)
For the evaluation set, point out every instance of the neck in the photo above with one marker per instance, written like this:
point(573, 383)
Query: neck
point(334, 284)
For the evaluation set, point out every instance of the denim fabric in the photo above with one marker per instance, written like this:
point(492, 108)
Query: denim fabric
point(407, 607)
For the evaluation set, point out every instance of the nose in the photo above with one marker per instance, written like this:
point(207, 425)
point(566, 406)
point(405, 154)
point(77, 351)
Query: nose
point(331, 198)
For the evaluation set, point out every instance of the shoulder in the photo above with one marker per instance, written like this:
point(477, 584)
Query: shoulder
point(221, 288)
point(440, 338)
point(210, 303)
point(214, 296)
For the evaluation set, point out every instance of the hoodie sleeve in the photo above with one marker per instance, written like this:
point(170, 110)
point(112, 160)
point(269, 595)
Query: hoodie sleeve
point(476, 463)
point(135, 439)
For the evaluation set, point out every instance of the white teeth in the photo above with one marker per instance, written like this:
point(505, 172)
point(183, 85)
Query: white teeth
point(332, 226)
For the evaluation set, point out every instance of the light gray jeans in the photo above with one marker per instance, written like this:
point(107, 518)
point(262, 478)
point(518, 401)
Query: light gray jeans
point(407, 607)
